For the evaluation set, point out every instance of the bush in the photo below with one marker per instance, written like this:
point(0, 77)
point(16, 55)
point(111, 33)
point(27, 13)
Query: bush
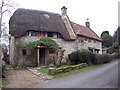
point(106, 58)
point(80, 56)
point(115, 56)
point(97, 59)
point(73, 57)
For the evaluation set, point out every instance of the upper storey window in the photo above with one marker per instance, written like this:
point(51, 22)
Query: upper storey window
point(55, 35)
point(44, 34)
point(49, 34)
point(32, 33)
point(94, 41)
point(86, 39)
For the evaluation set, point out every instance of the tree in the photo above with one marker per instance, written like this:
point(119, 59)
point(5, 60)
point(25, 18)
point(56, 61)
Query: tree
point(5, 7)
point(116, 35)
point(108, 40)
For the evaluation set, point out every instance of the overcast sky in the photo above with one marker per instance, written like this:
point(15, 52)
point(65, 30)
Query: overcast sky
point(102, 14)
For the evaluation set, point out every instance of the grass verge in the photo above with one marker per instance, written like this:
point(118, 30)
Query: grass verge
point(2, 82)
point(45, 70)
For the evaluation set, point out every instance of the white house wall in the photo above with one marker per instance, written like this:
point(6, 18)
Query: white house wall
point(85, 45)
point(69, 46)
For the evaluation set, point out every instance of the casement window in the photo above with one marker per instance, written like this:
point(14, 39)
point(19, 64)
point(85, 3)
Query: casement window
point(32, 33)
point(81, 41)
point(55, 35)
point(94, 41)
point(46, 34)
point(86, 39)
point(50, 34)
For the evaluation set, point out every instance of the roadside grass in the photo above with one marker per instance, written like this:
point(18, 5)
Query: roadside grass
point(45, 70)
point(2, 82)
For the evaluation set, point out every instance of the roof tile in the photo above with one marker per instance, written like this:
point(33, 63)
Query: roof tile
point(84, 31)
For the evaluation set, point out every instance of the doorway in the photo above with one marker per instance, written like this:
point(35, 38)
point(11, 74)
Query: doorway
point(42, 56)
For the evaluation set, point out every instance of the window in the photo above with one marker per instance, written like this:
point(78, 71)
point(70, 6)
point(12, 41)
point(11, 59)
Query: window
point(94, 41)
point(86, 39)
point(50, 34)
point(55, 35)
point(24, 52)
point(46, 35)
point(32, 33)
point(80, 41)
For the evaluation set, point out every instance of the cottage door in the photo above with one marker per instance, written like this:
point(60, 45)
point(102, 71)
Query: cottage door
point(42, 56)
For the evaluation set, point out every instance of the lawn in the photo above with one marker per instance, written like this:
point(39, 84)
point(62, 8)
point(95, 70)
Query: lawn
point(2, 82)
point(45, 70)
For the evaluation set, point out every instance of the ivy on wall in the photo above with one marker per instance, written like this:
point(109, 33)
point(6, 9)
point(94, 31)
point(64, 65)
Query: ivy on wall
point(44, 41)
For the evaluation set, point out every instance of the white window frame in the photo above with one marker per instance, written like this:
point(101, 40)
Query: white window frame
point(54, 35)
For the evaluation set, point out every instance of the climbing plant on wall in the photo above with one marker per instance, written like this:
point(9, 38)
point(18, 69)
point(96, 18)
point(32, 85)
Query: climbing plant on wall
point(44, 41)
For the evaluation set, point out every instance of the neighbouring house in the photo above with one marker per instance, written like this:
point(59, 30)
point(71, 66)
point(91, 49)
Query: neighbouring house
point(27, 26)
point(104, 50)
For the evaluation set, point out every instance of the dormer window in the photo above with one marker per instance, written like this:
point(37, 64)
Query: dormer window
point(32, 33)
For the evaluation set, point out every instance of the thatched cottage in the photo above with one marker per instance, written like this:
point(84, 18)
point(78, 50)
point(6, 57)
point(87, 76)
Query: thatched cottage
point(30, 25)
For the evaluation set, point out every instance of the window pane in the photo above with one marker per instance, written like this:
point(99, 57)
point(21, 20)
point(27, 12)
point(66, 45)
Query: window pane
point(55, 35)
point(46, 35)
point(29, 33)
point(50, 34)
point(86, 39)
point(36, 33)
point(32, 33)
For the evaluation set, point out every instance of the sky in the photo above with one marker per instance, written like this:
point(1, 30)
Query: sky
point(102, 14)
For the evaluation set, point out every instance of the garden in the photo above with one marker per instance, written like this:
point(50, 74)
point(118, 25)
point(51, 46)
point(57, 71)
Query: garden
point(81, 60)
point(61, 72)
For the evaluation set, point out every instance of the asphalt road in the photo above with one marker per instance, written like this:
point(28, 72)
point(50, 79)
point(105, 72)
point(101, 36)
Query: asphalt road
point(101, 77)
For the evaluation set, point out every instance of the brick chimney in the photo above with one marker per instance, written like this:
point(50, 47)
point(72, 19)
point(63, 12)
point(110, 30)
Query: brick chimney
point(87, 23)
point(64, 11)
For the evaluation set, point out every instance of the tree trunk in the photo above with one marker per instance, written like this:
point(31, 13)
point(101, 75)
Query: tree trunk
point(1, 32)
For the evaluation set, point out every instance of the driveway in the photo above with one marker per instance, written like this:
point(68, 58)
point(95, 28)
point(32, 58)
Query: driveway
point(101, 77)
point(21, 78)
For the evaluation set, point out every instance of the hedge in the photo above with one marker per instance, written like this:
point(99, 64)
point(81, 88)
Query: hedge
point(80, 56)
point(86, 56)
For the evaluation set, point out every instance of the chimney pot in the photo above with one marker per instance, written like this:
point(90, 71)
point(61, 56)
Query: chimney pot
point(87, 23)
point(64, 11)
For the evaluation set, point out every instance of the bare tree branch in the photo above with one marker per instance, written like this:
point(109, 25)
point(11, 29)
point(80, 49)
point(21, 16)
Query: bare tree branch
point(6, 11)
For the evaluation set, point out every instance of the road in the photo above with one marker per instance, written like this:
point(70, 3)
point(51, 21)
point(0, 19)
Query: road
point(101, 77)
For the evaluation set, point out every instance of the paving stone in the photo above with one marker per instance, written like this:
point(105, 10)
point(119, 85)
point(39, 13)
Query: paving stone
point(43, 76)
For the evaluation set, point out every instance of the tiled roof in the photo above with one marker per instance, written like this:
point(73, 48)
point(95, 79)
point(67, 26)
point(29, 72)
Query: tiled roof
point(84, 31)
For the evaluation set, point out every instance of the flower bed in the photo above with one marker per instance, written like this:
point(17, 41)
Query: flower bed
point(66, 68)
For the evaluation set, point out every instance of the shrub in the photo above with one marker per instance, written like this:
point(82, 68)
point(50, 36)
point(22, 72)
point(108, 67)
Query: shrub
point(80, 56)
point(106, 58)
point(118, 55)
point(97, 59)
point(115, 56)
point(44, 41)
point(73, 57)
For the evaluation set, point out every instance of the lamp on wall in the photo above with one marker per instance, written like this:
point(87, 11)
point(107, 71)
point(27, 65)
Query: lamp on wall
point(38, 46)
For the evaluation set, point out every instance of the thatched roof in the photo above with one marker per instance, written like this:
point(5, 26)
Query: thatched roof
point(25, 19)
